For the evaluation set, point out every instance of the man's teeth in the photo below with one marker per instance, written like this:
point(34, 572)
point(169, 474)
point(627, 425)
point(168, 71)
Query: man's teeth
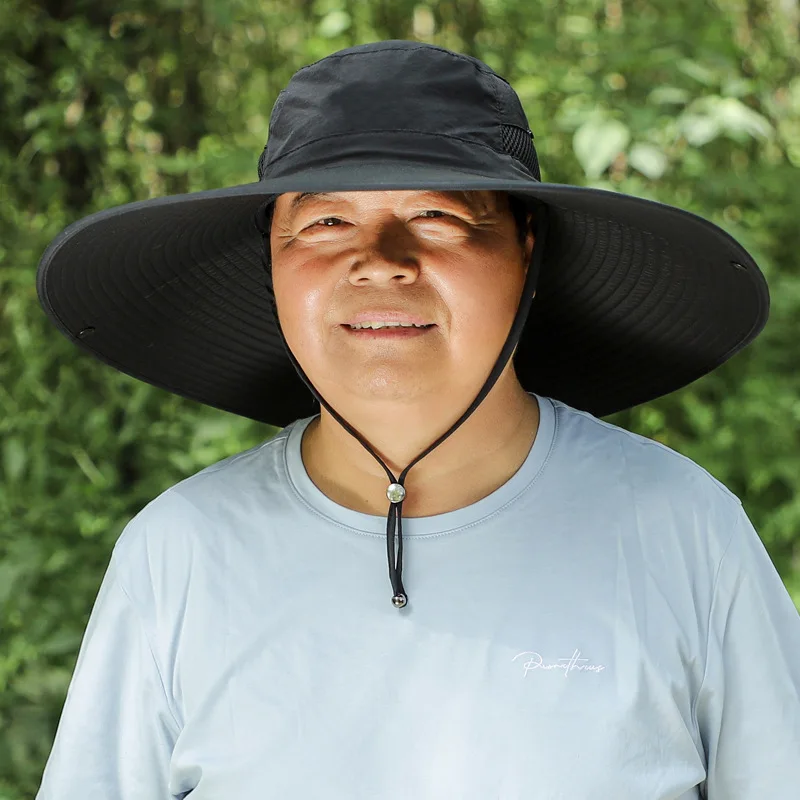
point(376, 325)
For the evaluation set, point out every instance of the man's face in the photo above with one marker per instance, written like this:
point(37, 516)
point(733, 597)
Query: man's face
point(452, 260)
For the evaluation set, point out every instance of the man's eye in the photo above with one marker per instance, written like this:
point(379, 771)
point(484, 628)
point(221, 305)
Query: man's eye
point(433, 211)
point(327, 220)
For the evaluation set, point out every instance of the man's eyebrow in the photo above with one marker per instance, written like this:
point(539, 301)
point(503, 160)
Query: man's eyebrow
point(475, 202)
point(304, 197)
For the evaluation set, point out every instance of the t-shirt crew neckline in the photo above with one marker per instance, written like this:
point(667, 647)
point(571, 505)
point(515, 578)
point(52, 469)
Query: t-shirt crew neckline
point(320, 503)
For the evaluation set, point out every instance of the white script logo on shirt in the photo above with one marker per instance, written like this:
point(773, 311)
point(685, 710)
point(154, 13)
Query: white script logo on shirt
point(574, 662)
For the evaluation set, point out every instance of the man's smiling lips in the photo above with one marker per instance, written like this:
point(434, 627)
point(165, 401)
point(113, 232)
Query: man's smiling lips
point(393, 331)
point(387, 333)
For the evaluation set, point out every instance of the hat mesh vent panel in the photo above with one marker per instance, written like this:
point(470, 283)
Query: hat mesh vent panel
point(518, 143)
point(262, 165)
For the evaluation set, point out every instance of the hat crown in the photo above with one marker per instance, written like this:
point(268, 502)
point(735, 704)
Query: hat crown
point(393, 87)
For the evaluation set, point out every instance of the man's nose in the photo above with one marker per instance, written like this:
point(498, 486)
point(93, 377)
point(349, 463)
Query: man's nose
point(387, 252)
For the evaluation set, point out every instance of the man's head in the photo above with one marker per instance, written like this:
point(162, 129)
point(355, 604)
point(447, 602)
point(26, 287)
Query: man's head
point(455, 261)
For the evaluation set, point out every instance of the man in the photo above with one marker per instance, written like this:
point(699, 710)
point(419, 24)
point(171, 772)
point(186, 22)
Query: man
point(584, 613)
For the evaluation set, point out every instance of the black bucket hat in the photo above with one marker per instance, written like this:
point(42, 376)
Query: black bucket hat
point(633, 299)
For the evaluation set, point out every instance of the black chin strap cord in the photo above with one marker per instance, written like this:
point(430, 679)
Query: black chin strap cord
point(396, 491)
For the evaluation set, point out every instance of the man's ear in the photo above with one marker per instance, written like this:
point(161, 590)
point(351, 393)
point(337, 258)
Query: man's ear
point(530, 239)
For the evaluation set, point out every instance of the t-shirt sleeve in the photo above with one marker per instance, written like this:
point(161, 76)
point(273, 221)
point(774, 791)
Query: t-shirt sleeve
point(116, 734)
point(748, 707)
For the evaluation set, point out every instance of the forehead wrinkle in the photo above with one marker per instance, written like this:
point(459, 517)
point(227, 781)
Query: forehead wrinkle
point(475, 201)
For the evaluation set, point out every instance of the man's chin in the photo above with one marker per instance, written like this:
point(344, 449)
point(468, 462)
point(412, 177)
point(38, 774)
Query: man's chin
point(385, 383)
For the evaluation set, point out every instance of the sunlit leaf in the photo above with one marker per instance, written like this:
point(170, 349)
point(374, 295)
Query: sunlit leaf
point(598, 142)
point(648, 159)
point(334, 23)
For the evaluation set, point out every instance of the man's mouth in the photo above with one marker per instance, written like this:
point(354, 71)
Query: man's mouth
point(387, 331)
point(380, 325)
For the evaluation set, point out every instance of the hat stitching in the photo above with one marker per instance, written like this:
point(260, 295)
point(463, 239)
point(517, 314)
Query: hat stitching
point(279, 100)
point(392, 130)
point(710, 228)
point(662, 240)
point(499, 111)
point(460, 56)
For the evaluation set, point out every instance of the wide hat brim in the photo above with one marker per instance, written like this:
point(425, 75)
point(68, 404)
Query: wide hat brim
point(635, 299)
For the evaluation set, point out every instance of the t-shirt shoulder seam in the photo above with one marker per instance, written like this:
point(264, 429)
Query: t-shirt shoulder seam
point(117, 576)
point(711, 607)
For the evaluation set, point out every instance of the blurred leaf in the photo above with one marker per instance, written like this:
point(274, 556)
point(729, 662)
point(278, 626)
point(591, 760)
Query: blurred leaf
point(668, 95)
point(14, 458)
point(648, 159)
point(699, 129)
point(735, 117)
point(334, 24)
point(598, 142)
point(700, 72)
point(709, 117)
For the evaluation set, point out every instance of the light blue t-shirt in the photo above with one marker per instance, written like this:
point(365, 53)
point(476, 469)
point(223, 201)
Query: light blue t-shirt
point(607, 625)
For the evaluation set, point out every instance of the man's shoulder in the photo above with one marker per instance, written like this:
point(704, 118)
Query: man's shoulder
point(215, 497)
point(647, 464)
point(656, 495)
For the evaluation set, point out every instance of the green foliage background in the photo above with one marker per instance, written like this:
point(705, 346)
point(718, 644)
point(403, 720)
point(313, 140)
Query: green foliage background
point(690, 102)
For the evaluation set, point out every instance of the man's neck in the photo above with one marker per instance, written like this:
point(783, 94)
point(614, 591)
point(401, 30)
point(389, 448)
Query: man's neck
point(474, 461)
